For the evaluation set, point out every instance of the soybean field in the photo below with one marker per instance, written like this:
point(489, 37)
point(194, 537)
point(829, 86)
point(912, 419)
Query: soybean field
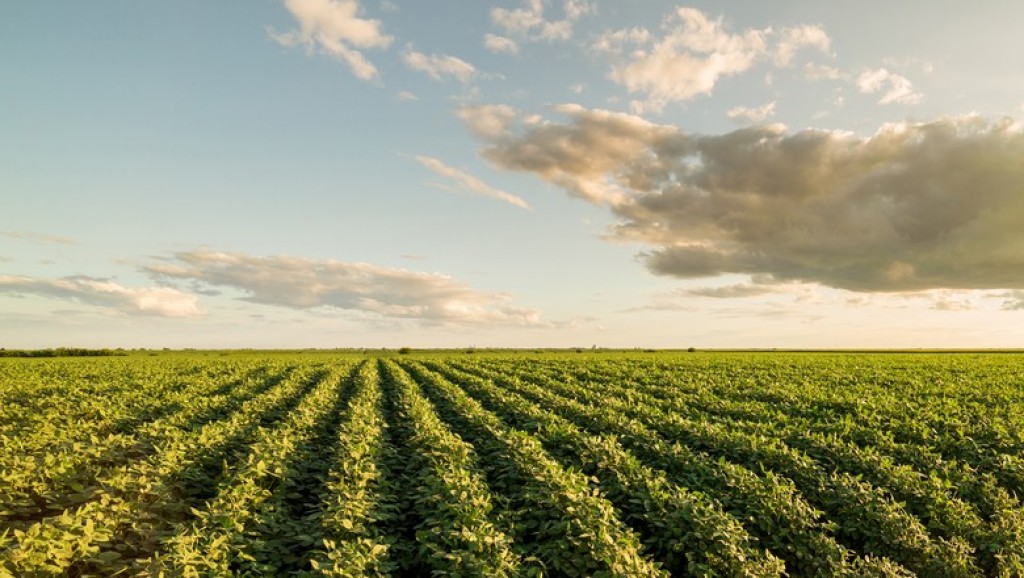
point(627, 464)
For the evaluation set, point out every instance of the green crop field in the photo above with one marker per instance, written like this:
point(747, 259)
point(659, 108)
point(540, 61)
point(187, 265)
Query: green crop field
point(513, 464)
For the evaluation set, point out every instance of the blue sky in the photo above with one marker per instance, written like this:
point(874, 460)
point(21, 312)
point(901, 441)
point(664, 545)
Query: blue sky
point(327, 173)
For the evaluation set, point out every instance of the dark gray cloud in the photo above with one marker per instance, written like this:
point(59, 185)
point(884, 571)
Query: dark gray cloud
point(913, 207)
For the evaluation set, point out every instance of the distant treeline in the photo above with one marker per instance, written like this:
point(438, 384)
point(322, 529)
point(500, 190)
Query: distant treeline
point(59, 352)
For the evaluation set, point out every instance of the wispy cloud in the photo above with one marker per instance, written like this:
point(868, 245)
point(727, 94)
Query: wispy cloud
point(915, 206)
point(156, 301)
point(37, 238)
point(895, 89)
point(439, 66)
point(821, 72)
point(468, 183)
point(736, 291)
point(301, 283)
point(335, 28)
point(953, 303)
point(500, 44)
point(694, 53)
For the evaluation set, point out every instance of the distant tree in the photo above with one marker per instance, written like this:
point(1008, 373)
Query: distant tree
point(404, 350)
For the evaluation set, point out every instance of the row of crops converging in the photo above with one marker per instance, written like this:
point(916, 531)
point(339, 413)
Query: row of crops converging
point(513, 465)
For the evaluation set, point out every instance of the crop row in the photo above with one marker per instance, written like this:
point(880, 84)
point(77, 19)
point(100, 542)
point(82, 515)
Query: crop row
point(507, 466)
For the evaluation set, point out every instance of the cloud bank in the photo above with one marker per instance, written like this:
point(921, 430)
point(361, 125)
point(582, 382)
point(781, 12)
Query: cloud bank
point(335, 28)
point(155, 301)
point(916, 206)
point(301, 283)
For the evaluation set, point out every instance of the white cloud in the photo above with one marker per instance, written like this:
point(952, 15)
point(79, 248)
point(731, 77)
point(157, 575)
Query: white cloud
point(383, 292)
point(335, 28)
point(500, 44)
point(157, 301)
point(752, 115)
point(467, 182)
point(438, 66)
point(894, 88)
point(529, 24)
point(694, 53)
point(913, 207)
point(792, 40)
point(406, 96)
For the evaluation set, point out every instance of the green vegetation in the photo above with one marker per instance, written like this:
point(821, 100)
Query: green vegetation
point(540, 463)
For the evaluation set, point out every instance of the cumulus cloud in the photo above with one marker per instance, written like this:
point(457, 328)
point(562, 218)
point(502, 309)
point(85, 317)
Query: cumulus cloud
point(752, 115)
point(468, 183)
point(335, 28)
point(528, 22)
point(301, 283)
point(500, 44)
point(439, 66)
point(694, 53)
point(157, 301)
point(937, 204)
point(589, 157)
point(894, 88)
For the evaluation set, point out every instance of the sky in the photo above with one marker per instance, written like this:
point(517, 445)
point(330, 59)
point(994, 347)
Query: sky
point(514, 173)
